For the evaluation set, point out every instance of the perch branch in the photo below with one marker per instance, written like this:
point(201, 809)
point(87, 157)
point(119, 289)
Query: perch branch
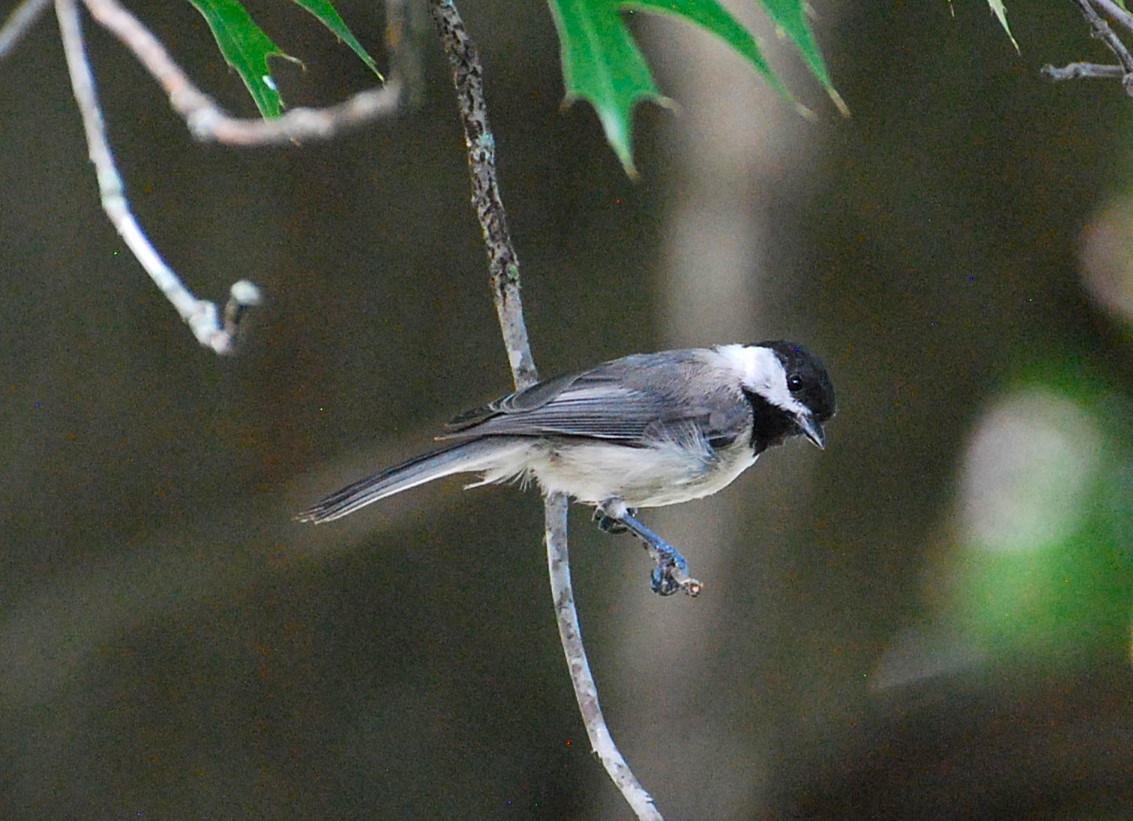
point(503, 267)
point(18, 22)
point(202, 317)
point(208, 122)
point(585, 690)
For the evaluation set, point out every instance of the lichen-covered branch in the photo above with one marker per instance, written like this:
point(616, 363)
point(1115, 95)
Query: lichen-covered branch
point(503, 265)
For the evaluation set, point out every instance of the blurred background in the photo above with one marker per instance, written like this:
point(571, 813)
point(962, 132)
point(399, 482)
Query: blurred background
point(929, 619)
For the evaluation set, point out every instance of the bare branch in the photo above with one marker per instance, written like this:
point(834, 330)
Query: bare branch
point(503, 266)
point(585, 690)
point(208, 122)
point(202, 316)
point(212, 124)
point(1077, 71)
point(1103, 32)
point(18, 22)
point(1116, 13)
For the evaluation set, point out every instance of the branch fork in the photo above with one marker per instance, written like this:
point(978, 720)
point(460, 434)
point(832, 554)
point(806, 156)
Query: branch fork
point(213, 328)
point(1100, 14)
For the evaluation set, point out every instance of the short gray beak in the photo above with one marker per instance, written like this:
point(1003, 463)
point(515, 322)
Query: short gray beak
point(812, 430)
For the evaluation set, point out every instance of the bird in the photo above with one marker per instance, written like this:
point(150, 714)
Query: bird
point(641, 431)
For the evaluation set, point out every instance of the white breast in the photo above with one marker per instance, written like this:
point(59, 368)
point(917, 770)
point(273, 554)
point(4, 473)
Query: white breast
point(593, 472)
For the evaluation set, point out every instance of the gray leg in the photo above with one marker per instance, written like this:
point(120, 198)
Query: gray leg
point(671, 572)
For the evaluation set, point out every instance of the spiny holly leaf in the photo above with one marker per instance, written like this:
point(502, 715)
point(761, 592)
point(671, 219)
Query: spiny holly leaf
point(790, 17)
point(1001, 13)
point(603, 65)
point(246, 48)
point(325, 13)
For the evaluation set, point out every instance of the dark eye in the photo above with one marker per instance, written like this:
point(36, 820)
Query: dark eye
point(794, 383)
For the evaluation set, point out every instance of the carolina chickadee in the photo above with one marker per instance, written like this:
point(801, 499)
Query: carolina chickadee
point(641, 431)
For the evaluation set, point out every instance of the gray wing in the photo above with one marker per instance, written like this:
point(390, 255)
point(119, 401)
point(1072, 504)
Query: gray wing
point(633, 399)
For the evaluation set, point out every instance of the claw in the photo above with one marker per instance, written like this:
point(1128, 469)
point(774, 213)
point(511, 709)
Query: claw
point(668, 579)
point(671, 572)
point(663, 583)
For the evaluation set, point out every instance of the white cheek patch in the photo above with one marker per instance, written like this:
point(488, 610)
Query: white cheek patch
point(761, 371)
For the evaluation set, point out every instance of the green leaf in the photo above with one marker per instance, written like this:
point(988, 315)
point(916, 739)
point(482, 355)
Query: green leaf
point(325, 13)
point(246, 48)
point(790, 18)
point(603, 65)
point(1001, 13)
point(714, 18)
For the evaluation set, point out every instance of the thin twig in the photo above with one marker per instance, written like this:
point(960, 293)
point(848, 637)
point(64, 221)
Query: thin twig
point(1116, 13)
point(1077, 71)
point(18, 22)
point(208, 122)
point(504, 272)
point(1103, 32)
point(202, 316)
point(585, 690)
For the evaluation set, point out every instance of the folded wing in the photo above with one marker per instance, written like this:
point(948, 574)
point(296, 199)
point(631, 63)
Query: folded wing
point(629, 400)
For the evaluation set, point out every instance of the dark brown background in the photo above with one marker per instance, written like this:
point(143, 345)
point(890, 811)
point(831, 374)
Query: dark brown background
point(173, 645)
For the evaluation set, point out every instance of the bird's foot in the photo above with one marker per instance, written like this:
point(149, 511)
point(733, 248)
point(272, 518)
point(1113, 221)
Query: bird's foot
point(671, 576)
point(671, 573)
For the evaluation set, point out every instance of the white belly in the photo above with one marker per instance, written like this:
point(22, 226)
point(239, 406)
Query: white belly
point(594, 472)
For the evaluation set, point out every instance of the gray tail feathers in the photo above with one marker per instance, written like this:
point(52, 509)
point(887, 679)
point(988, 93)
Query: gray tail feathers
point(467, 457)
